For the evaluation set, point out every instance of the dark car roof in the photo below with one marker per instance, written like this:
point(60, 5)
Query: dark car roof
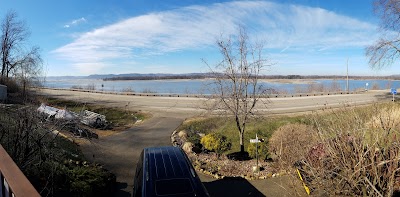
point(170, 173)
point(167, 163)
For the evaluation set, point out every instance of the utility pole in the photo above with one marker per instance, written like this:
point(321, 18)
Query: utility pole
point(347, 84)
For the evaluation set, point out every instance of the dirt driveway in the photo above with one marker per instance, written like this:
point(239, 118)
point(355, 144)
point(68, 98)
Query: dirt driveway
point(120, 152)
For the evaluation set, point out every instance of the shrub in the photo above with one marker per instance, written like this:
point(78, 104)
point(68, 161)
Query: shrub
point(357, 156)
point(315, 87)
point(90, 181)
point(76, 87)
point(148, 90)
point(291, 142)
point(12, 85)
point(128, 89)
point(195, 140)
point(262, 150)
point(91, 86)
point(375, 86)
point(216, 142)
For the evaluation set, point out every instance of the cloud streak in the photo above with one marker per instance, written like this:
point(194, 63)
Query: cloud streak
point(284, 27)
point(75, 22)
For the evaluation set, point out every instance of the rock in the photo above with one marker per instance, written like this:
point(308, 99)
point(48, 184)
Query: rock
point(183, 135)
point(201, 134)
point(187, 147)
point(174, 138)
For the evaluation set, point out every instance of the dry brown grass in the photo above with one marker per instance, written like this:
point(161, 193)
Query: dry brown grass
point(291, 142)
point(387, 118)
point(358, 153)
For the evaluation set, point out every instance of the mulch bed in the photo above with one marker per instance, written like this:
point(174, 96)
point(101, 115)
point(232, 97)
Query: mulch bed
point(220, 167)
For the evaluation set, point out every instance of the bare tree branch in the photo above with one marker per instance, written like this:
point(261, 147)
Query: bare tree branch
point(236, 79)
point(20, 64)
point(386, 50)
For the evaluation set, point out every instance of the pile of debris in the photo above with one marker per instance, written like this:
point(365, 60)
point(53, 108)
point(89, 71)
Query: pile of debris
point(85, 117)
point(55, 113)
point(92, 119)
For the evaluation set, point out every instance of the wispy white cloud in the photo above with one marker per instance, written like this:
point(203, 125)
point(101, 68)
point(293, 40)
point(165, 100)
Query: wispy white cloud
point(284, 27)
point(75, 22)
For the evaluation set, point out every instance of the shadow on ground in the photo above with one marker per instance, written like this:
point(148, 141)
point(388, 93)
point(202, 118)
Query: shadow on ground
point(239, 156)
point(387, 97)
point(231, 186)
point(119, 190)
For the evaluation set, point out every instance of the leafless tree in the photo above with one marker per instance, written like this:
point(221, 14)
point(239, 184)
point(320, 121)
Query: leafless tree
point(28, 70)
point(237, 84)
point(16, 57)
point(387, 49)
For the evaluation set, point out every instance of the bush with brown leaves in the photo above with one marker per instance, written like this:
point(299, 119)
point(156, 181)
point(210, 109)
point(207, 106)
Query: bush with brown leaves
point(291, 143)
point(358, 153)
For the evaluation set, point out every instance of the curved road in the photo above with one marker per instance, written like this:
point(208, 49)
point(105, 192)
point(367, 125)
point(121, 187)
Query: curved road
point(120, 152)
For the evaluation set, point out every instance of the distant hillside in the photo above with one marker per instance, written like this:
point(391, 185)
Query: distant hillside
point(153, 76)
point(392, 77)
point(165, 76)
point(210, 75)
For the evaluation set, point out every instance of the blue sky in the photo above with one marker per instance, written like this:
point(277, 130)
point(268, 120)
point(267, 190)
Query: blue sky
point(305, 37)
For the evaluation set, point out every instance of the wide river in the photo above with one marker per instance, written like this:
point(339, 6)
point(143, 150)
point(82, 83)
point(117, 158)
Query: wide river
point(206, 86)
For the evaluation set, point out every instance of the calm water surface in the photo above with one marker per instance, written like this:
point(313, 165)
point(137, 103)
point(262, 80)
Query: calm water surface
point(204, 86)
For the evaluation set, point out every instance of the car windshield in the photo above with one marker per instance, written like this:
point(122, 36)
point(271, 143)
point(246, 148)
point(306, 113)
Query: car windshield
point(173, 187)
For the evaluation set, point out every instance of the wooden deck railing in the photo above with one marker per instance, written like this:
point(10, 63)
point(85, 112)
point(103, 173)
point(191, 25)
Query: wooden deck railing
point(13, 181)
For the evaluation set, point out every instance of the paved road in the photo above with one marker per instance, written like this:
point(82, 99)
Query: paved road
point(186, 107)
point(120, 152)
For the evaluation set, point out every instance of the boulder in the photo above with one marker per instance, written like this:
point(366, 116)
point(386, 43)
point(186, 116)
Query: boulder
point(183, 135)
point(187, 147)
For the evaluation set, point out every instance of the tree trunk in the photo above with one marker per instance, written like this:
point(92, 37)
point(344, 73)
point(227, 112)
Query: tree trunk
point(241, 141)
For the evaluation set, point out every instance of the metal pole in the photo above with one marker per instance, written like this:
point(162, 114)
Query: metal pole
point(393, 97)
point(257, 152)
point(347, 84)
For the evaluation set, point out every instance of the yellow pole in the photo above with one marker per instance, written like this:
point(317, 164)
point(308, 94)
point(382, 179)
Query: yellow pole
point(304, 184)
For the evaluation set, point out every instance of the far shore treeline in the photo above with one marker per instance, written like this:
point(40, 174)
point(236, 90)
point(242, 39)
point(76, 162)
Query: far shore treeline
point(213, 75)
